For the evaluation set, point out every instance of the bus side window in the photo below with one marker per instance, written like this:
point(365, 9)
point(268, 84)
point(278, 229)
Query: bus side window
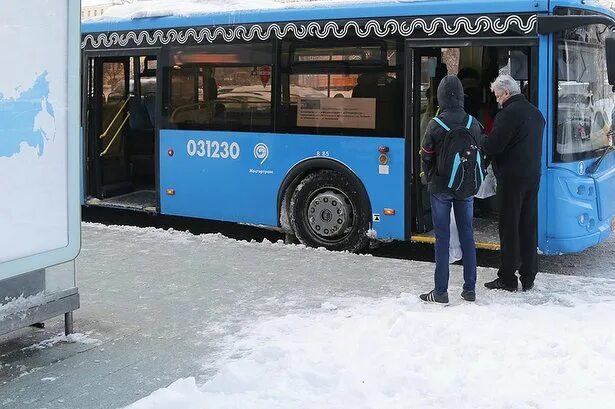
point(229, 90)
point(357, 79)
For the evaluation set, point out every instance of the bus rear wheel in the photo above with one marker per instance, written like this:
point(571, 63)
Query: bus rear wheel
point(327, 210)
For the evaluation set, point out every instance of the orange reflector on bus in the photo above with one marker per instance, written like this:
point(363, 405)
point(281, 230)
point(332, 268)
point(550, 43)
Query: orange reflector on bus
point(389, 212)
point(171, 192)
point(383, 159)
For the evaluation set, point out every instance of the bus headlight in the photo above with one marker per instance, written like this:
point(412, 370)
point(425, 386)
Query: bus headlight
point(581, 190)
point(583, 219)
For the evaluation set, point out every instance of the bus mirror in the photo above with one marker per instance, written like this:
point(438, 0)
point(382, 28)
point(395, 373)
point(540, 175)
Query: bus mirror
point(610, 59)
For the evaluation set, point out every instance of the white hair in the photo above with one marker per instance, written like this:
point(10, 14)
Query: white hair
point(505, 83)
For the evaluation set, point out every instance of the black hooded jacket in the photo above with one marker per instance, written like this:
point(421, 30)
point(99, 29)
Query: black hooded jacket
point(515, 143)
point(451, 102)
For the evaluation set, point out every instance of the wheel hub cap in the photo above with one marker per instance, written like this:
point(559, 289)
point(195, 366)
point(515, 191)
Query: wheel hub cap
point(328, 214)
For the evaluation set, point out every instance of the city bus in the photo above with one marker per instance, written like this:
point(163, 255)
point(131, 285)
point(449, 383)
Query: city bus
point(309, 120)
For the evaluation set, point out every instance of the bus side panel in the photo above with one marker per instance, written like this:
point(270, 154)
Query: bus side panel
point(573, 212)
point(236, 176)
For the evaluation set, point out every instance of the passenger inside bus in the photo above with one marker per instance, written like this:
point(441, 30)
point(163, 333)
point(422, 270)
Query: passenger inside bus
point(182, 84)
point(430, 107)
point(470, 80)
point(210, 88)
point(386, 90)
point(476, 67)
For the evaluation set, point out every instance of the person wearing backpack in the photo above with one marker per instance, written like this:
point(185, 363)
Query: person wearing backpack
point(452, 168)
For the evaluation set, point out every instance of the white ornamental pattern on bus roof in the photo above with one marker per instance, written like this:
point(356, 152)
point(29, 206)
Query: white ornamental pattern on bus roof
point(482, 24)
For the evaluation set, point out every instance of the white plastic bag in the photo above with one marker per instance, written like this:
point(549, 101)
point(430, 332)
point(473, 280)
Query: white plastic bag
point(454, 247)
point(489, 185)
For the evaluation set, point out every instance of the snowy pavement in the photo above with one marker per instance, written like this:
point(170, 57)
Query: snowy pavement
point(251, 325)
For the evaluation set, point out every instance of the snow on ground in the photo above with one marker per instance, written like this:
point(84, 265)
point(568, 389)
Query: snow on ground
point(550, 348)
point(62, 338)
point(596, 261)
point(554, 348)
point(252, 325)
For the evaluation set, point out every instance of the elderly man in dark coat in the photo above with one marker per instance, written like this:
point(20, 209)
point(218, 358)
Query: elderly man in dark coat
point(515, 144)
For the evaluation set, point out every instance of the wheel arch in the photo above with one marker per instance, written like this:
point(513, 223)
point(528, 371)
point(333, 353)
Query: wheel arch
point(310, 165)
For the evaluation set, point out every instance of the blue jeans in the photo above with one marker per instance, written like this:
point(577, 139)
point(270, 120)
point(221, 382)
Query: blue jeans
point(441, 215)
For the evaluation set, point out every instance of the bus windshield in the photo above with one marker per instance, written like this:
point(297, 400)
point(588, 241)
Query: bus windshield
point(585, 98)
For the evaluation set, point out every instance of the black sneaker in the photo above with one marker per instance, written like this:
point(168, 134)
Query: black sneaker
point(468, 295)
point(498, 284)
point(527, 287)
point(433, 297)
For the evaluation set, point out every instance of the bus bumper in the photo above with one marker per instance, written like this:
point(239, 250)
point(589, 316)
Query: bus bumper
point(555, 246)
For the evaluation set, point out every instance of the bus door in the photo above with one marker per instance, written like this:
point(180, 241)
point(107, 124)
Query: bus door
point(107, 116)
point(120, 132)
point(476, 62)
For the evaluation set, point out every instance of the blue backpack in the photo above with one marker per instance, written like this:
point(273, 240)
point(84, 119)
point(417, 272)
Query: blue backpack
point(460, 160)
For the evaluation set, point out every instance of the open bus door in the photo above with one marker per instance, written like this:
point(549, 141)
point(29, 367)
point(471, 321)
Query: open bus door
point(107, 118)
point(121, 133)
point(477, 62)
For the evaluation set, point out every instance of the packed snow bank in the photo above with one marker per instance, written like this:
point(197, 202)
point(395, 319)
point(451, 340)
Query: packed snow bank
point(74, 338)
point(20, 304)
point(551, 348)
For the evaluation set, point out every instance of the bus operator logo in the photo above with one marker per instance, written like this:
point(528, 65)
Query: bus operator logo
point(261, 151)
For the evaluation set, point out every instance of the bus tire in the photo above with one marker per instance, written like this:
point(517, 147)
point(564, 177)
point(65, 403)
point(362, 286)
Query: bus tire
point(328, 210)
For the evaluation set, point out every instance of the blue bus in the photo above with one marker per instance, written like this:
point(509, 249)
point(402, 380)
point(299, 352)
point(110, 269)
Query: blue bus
point(309, 120)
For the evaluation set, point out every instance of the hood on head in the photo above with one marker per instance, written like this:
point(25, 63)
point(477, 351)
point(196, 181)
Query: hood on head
point(450, 93)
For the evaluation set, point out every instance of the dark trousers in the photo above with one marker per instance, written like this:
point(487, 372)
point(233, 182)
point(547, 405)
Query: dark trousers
point(518, 199)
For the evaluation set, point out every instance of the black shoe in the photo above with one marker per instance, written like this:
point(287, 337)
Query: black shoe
point(498, 284)
point(528, 286)
point(468, 295)
point(433, 297)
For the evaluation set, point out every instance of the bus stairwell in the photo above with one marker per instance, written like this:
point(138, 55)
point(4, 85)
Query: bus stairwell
point(122, 133)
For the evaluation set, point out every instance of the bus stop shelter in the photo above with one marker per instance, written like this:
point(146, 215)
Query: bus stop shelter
point(39, 161)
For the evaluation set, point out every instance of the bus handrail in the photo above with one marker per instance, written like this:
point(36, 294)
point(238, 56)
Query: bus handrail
point(103, 153)
point(115, 118)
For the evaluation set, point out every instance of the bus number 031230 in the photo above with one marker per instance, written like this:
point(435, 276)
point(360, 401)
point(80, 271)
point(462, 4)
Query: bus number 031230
point(213, 149)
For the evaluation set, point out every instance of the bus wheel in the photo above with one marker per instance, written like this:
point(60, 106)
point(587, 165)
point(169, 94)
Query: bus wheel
point(327, 210)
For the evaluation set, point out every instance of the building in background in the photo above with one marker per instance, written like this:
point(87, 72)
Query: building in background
point(96, 8)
